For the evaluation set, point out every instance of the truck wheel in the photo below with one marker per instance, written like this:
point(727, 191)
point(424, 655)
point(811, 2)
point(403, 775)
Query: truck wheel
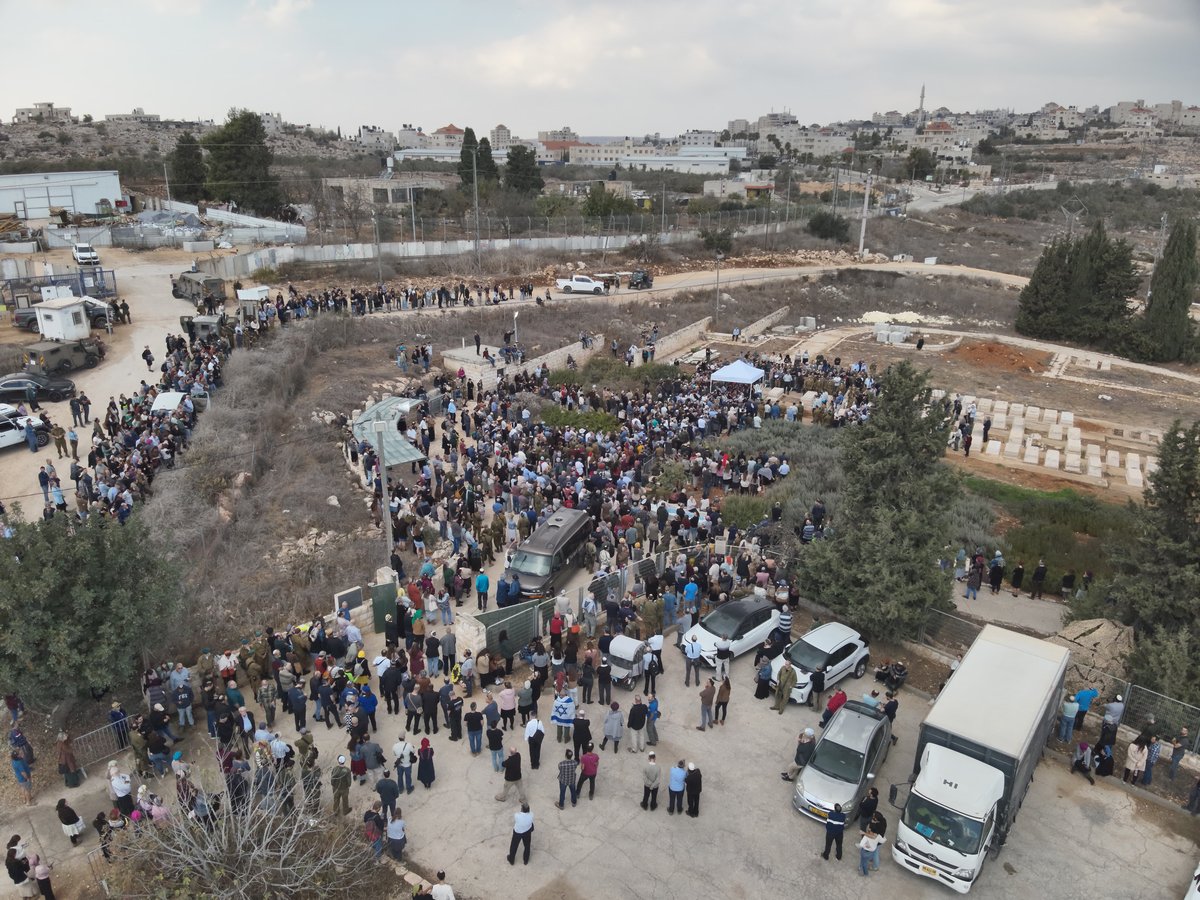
point(861, 669)
point(597, 292)
point(32, 325)
point(43, 439)
point(91, 360)
point(566, 289)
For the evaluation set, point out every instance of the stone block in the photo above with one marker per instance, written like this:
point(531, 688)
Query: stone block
point(1106, 365)
point(1092, 451)
point(1074, 446)
point(984, 406)
point(1032, 454)
point(1074, 434)
point(1134, 477)
point(993, 448)
point(1001, 407)
point(999, 421)
point(1017, 410)
point(1049, 416)
point(1056, 433)
point(1052, 459)
point(1067, 419)
point(1017, 423)
point(1112, 459)
point(1094, 469)
point(1074, 462)
point(1133, 461)
point(1012, 449)
point(1033, 414)
point(937, 394)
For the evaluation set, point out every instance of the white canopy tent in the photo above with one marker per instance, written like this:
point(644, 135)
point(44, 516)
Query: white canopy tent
point(738, 372)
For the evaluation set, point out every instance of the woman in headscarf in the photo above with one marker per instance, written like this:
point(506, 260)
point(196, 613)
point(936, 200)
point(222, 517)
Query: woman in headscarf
point(72, 825)
point(425, 772)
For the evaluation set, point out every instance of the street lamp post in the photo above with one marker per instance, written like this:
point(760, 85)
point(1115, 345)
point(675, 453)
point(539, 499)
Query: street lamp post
point(378, 260)
point(380, 428)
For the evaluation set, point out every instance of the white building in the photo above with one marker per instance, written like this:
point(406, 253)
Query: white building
point(696, 138)
point(500, 137)
point(694, 165)
point(272, 123)
point(738, 153)
point(411, 136)
point(138, 115)
point(372, 137)
point(43, 112)
point(30, 196)
point(608, 154)
point(448, 137)
point(558, 134)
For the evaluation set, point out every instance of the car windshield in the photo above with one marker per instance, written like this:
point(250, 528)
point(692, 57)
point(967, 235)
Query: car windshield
point(724, 620)
point(837, 761)
point(806, 656)
point(943, 826)
point(530, 563)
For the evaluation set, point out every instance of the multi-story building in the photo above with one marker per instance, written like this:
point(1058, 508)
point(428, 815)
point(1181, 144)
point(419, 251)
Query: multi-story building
point(500, 137)
point(138, 115)
point(43, 112)
point(448, 137)
point(773, 122)
point(272, 123)
point(1189, 118)
point(411, 136)
point(891, 119)
point(372, 137)
point(558, 134)
point(738, 126)
point(696, 165)
point(696, 138)
point(608, 154)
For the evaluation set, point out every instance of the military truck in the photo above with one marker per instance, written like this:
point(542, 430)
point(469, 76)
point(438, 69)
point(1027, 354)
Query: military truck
point(640, 279)
point(195, 286)
point(59, 357)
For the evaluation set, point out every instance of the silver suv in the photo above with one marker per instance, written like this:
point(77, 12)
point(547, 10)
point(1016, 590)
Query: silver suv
point(845, 761)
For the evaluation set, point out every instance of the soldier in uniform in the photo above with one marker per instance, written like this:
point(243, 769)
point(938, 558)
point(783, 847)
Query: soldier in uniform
point(339, 782)
point(206, 666)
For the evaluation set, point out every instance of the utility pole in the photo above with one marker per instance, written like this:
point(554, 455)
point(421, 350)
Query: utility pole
point(167, 179)
point(378, 260)
point(862, 229)
point(515, 314)
point(475, 185)
point(836, 172)
point(717, 296)
point(412, 209)
point(787, 216)
point(380, 427)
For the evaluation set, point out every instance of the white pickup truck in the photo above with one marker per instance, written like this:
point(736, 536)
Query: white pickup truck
point(581, 284)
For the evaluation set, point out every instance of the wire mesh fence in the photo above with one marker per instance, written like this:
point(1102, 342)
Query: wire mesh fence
point(947, 633)
point(1150, 711)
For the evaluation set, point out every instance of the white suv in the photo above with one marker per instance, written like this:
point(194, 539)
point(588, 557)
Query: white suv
point(85, 254)
point(837, 647)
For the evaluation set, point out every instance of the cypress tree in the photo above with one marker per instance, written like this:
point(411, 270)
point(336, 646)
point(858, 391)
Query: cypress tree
point(1167, 325)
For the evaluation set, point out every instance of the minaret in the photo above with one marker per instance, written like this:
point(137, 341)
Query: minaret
point(921, 108)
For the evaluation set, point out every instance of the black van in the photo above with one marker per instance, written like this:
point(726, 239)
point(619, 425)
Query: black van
point(551, 554)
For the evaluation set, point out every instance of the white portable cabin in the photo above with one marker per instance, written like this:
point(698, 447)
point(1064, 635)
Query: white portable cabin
point(63, 319)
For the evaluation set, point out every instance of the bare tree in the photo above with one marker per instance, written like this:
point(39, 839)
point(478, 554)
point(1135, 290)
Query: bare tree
point(354, 209)
point(247, 853)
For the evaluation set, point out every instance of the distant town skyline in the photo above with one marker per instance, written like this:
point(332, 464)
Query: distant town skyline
point(614, 68)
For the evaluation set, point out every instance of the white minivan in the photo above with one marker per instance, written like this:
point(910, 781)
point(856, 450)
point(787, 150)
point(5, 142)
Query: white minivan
point(85, 254)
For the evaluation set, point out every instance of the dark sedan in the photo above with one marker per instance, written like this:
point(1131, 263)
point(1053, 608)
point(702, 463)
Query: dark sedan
point(47, 387)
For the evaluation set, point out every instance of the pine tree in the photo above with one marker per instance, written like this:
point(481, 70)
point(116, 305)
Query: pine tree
point(487, 165)
point(239, 164)
point(189, 172)
point(1167, 324)
point(1156, 581)
point(879, 569)
point(521, 171)
point(1040, 308)
point(466, 157)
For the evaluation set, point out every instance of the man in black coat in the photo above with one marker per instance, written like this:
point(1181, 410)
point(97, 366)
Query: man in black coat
point(692, 785)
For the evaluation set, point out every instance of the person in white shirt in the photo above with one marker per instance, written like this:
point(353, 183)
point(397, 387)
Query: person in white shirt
point(868, 851)
point(522, 834)
point(441, 890)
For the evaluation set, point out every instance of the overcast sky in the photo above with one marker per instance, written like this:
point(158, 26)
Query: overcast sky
point(603, 68)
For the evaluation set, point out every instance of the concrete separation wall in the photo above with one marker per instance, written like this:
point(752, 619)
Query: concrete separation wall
point(557, 359)
point(293, 232)
point(766, 322)
point(97, 236)
point(19, 247)
point(245, 263)
point(677, 341)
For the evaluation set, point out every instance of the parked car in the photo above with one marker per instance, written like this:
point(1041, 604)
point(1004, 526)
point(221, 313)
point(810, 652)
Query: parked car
point(48, 387)
point(747, 623)
point(837, 647)
point(12, 427)
point(848, 755)
point(85, 254)
point(548, 558)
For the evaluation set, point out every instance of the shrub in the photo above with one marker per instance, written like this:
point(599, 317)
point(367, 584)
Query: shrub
point(560, 417)
point(830, 226)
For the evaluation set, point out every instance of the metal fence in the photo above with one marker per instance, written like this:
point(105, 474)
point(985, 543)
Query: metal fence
point(99, 745)
point(1149, 710)
point(947, 633)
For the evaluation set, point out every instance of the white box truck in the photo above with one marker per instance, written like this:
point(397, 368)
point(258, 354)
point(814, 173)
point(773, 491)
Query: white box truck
point(976, 753)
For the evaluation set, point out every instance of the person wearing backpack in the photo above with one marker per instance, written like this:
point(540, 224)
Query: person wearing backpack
point(405, 756)
point(373, 827)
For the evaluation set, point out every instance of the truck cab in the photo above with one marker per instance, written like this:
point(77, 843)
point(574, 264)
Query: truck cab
point(949, 821)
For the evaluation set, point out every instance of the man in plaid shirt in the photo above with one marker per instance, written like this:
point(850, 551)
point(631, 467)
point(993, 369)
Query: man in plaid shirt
point(566, 779)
